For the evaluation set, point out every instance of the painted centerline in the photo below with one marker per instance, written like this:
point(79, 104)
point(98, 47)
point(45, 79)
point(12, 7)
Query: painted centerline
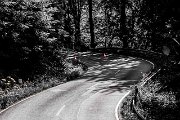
point(60, 110)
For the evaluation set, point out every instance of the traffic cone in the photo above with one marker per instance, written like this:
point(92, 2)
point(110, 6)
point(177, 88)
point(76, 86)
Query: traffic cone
point(104, 55)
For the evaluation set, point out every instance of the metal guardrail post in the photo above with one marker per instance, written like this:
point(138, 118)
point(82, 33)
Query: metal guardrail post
point(134, 100)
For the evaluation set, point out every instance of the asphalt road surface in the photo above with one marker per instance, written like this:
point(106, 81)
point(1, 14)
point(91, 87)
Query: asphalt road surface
point(93, 96)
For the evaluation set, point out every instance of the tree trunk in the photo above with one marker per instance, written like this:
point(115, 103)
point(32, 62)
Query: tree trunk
point(75, 7)
point(106, 23)
point(123, 33)
point(91, 24)
point(108, 27)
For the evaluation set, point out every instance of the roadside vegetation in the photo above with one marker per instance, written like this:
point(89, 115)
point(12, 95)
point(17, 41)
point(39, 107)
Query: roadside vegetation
point(156, 96)
point(36, 37)
point(14, 89)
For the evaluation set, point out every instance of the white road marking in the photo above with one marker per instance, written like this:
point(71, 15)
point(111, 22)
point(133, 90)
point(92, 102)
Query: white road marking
point(60, 110)
point(100, 84)
point(90, 89)
point(117, 106)
point(11, 106)
point(93, 86)
point(83, 102)
point(87, 92)
point(118, 71)
point(57, 90)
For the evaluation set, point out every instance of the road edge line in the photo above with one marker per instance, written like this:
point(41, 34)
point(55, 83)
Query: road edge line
point(120, 101)
point(150, 62)
point(26, 98)
point(117, 106)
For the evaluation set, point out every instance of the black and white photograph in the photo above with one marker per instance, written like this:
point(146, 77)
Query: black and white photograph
point(89, 60)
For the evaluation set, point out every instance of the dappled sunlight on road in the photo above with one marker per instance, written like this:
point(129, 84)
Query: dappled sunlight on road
point(93, 96)
point(120, 86)
point(116, 73)
point(112, 67)
point(111, 86)
point(127, 64)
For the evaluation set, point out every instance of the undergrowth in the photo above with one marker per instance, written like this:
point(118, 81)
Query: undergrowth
point(154, 101)
point(12, 92)
point(125, 111)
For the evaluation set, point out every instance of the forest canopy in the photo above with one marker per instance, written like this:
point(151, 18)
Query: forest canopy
point(32, 31)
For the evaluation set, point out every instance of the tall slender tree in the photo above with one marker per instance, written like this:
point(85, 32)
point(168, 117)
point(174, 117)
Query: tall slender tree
point(123, 30)
point(91, 24)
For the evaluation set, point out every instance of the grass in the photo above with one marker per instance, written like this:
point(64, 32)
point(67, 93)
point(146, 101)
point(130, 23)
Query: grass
point(11, 95)
point(125, 111)
point(158, 104)
point(156, 100)
point(159, 98)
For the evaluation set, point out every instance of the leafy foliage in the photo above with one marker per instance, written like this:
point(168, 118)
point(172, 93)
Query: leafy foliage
point(32, 32)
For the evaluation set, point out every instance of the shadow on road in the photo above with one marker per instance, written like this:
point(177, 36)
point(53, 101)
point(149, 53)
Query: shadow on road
point(116, 73)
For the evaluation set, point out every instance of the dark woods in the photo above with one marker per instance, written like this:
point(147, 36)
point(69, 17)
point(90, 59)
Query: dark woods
point(32, 32)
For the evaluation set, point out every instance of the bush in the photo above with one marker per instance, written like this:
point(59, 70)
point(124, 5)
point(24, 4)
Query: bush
point(159, 101)
point(74, 68)
point(52, 77)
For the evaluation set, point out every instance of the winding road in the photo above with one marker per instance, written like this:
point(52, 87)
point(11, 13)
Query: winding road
point(94, 96)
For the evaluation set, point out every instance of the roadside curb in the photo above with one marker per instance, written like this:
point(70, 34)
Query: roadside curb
point(119, 105)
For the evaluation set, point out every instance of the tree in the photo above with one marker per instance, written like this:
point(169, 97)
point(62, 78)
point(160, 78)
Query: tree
point(115, 21)
point(124, 31)
point(91, 24)
point(26, 35)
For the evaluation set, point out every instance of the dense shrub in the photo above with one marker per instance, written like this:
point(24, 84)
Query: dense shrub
point(52, 77)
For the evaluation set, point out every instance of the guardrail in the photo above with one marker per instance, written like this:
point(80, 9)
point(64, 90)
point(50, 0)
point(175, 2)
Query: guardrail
point(161, 62)
point(155, 57)
point(133, 105)
point(134, 99)
point(159, 59)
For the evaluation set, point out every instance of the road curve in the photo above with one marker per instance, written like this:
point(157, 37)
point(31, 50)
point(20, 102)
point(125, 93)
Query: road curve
point(91, 97)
